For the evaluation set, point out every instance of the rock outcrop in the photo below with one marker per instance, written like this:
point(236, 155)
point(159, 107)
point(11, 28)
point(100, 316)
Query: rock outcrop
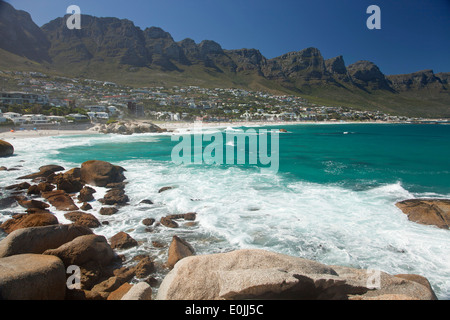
point(129, 127)
point(260, 274)
point(6, 149)
point(427, 211)
point(179, 249)
point(84, 249)
point(38, 239)
point(26, 220)
point(100, 173)
point(32, 277)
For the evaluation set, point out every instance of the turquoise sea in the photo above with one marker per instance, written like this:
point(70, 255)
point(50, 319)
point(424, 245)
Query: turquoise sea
point(332, 199)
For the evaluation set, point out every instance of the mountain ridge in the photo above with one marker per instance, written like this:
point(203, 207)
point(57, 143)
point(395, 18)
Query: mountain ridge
point(115, 49)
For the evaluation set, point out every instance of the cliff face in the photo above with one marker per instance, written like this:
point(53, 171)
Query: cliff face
point(20, 35)
point(418, 80)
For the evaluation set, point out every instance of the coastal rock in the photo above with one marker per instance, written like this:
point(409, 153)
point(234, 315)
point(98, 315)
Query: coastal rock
point(83, 219)
point(144, 268)
point(148, 221)
point(39, 239)
point(85, 206)
point(33, 189)
point(261, 274)
point(6, 149)
point(74, 173)
point(122, 240)
point(139, 291)
point(186, 216)
point(39, 174)
point(115, 196)
point(33, 204)
point(178, 250)
point(18, 186)
point(164, 189)
point(168, 222)
point(84, 249)
point(427, 211)
point(109, 285)
point(51, 167)
point(7, 202)
point(120, 292)
point(131, 127)
point(100, 173)
point(20, 221)
point(69, 185)
point(32, 277)
point(108, 211)
point(86, 194)
point(60, 200)
point(45, 187)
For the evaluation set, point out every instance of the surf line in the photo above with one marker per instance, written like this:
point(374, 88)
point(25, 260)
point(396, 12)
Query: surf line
point(235, 144)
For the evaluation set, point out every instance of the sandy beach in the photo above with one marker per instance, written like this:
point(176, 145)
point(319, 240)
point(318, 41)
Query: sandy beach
point(22, 134)
point(169, 125)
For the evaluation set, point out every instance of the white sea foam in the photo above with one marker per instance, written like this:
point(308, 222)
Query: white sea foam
point(239, 208)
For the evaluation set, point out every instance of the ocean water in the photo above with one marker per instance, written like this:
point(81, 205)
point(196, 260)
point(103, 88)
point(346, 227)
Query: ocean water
point(332, 199)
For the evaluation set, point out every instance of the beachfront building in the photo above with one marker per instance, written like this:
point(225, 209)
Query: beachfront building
point(97, 108)
point(78, 117)
point(94, 116)
point(2, 118)
point(12, 98)
point(16, 118)
point(35, 118)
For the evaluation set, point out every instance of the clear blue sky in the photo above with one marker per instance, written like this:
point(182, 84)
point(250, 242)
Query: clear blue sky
point(414, 35)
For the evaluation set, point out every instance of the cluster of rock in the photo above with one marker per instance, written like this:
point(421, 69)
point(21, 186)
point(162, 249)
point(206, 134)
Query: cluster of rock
point(129, 127)
point(38, 251)
point(261, 274)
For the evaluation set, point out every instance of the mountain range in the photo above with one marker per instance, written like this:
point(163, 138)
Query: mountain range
point(113, 49)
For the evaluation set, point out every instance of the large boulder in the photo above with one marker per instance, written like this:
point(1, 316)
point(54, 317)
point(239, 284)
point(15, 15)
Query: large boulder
point(122, 240)
point(100, 173)
point(86, 194)
point(260, 274)
point(20, 221)
point(60, 200)
point(84, 249)
point(6, 149)
point(139, 291)
point(83, 219)
point(179, 249)
point(32, 277)
point(427, 211)
point(39, 239)
point(115, 196)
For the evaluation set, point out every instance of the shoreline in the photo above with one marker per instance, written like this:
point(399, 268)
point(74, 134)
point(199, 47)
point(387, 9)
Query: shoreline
point(175, 125)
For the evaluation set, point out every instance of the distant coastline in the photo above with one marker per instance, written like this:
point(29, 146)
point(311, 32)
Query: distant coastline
point(37, 131)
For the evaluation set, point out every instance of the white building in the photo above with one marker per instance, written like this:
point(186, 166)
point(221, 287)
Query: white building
point(98, 115)
point(78, 116)
point(35, 118)
point(96, 108)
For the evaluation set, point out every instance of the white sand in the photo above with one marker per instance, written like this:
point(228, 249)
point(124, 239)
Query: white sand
point(169, 125)
point(22, 134)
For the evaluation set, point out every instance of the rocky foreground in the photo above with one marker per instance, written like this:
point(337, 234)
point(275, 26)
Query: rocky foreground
point(39, 256)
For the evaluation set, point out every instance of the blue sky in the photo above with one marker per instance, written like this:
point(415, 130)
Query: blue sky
point(414, 35)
